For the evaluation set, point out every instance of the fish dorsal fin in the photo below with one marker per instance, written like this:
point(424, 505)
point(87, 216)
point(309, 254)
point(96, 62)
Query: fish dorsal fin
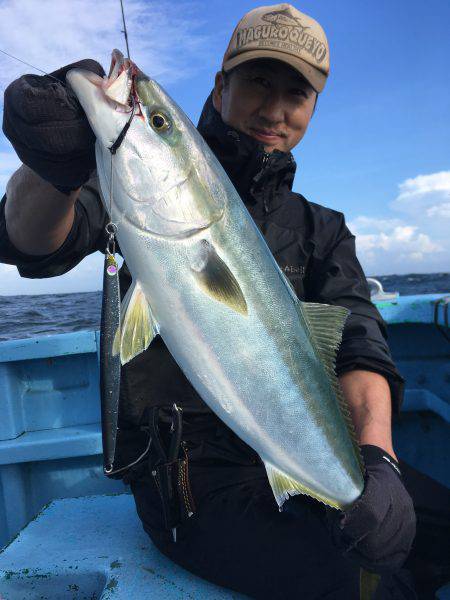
point(326, 324)
point(137, 326)
point(284, 486)
point(216, 279)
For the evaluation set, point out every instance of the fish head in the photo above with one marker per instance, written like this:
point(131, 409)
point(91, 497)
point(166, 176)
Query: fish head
point(160, 178)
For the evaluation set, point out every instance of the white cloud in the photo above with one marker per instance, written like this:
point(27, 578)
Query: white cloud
point(166, 41)
point(425, 184)
point(425, 196)
point(164, 36)
point(386, 246)
point(416, 240)
point(439, 210)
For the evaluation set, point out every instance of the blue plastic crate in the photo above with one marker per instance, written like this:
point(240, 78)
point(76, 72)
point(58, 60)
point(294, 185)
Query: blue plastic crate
point(49, 382)
point(50, 437)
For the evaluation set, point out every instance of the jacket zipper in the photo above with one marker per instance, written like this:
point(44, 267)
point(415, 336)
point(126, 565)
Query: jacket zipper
point(264, 162)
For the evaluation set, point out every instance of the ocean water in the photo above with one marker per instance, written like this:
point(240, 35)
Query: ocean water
point(29, 316)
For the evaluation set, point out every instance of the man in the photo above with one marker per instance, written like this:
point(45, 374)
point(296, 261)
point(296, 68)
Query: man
point(273, 70)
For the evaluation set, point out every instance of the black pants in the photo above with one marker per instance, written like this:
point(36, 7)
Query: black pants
point(238, 539)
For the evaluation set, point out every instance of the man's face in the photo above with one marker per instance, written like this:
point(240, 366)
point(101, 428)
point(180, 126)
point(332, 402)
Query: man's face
point(268, 100)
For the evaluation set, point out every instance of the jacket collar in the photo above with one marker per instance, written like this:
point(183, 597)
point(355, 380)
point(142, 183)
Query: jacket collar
point(247, 164)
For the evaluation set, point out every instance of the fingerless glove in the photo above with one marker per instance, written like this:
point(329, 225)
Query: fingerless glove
point(48, 129)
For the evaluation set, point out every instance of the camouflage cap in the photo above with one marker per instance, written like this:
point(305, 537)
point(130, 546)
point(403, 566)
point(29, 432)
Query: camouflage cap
point(284, 33)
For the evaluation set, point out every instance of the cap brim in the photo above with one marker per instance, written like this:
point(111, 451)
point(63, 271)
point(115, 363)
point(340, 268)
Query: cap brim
point(315, 77)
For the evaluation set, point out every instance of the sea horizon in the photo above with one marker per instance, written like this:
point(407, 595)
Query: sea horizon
point(30, 315)
point(414, 274)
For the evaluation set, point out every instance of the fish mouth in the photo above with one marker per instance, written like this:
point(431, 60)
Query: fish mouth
point(119, 85)
point(116, 89)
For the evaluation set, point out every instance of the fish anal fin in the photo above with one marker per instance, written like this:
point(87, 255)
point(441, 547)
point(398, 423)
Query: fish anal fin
point(284, 486)
point(216, 279)
point(138, 326)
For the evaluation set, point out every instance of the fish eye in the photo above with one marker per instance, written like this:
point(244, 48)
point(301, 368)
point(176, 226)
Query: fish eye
point(159, 121)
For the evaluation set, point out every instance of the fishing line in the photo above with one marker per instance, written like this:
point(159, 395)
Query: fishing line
point(24, 62)
point(32, 66)
point(135, 462)
point(111, 317)
point(111, 227)
point(124, 30)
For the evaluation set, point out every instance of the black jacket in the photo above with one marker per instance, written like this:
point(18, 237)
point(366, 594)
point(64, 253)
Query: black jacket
point(311, 243)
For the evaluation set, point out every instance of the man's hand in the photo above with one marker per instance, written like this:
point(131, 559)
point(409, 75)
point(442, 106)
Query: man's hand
point(379, 529)
point(48, 129)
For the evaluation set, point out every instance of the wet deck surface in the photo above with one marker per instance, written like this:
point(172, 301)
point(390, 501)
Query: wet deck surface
point(90, 549)
point(94, 548)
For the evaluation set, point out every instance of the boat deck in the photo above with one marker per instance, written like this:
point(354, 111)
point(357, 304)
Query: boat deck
point(94, 548)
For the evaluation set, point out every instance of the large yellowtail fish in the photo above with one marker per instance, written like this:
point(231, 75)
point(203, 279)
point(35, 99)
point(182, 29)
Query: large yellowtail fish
point(261, 359)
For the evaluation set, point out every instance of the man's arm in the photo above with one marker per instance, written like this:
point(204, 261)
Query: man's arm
point(52, 215)
point(38, 216)
point(378, 529)
point(64, 243)
point(336, 277)
point(369, 398)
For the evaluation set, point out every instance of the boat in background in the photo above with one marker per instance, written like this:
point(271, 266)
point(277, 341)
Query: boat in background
point(50, 447)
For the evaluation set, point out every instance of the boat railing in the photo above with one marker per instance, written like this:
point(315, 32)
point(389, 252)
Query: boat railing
point(377, 294)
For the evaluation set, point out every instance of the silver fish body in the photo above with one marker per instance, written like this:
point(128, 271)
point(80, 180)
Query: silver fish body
point(213, 291)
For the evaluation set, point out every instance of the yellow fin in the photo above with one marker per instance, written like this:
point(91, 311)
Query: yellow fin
point(216, 279)
point(368, 584)
point(116, 342)
point(137, 327)
point(284, 486)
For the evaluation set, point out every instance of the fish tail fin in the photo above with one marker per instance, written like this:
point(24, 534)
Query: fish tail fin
point(284, 486)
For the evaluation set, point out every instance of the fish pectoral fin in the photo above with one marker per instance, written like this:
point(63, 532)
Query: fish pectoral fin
point(137, 326)
point(116, 342)
point(284, 486)
point(326, 324)
point(215, 278)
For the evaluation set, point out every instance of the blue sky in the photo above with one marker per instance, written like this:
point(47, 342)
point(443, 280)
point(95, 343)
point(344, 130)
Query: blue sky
point(377, 148)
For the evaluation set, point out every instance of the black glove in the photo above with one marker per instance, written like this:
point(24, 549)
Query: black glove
point(379, 529)
point(48, 129)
